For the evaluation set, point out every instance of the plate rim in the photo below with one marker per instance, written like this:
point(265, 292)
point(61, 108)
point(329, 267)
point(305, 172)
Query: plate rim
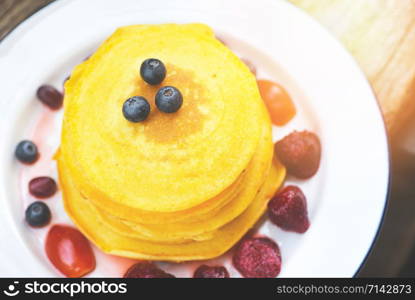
point(385, 131)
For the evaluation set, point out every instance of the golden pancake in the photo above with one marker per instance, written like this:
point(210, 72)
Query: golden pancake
point(200, 212)
point(181, 186)
point(84, 214)
point(192, 155)
point(255, 176)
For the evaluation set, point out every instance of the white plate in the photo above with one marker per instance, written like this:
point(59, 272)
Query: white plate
point(346, 198)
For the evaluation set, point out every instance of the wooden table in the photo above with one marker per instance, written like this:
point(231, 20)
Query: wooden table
point(380, 34)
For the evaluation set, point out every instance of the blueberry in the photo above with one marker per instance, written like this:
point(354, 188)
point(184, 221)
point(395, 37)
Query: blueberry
point(38, 214)
point(26, 152)
point(136, 109)
point(169, 99)
point(153, 71)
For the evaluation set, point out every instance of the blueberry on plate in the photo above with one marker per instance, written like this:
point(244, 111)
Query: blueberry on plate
point(136, 109)
point(38, 214)
point(26, 152)
point(169, 99)
point(153, 71)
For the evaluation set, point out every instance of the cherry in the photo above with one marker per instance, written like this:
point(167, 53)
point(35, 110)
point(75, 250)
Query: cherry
point(146, 269)
point(288, 210)
point(69, 251)
point(257, 257)
point(205, 271)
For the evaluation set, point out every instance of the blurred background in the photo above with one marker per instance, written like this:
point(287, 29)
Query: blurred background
point(380, 34)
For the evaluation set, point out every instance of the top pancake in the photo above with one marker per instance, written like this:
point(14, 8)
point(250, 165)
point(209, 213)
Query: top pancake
point(170, 162)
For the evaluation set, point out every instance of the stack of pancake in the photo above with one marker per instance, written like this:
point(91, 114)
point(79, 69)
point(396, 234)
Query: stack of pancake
point(180, 186)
